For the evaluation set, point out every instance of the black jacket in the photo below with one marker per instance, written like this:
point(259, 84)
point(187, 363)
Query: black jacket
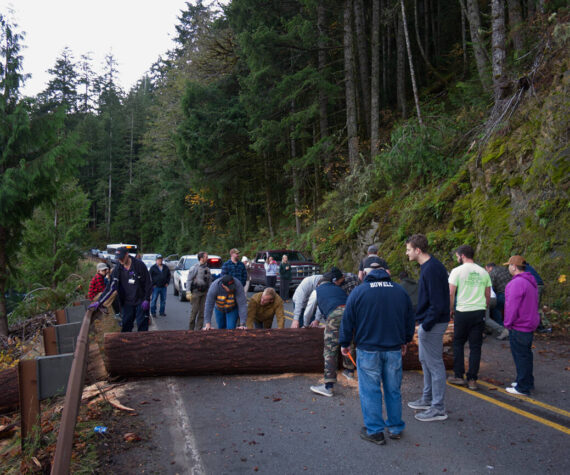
point(159, 278)
point(140, 273)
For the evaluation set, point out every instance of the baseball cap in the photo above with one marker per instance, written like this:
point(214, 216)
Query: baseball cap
point(336, 274)
point(229, 282)
point(234, 251)
point(372, 249)
point(374, 262)
point(121, 252)
point(159, 256)
point(102, 266)
point(516, 260)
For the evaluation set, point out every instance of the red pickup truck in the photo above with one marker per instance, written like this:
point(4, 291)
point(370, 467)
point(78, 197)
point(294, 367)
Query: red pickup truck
point(301, 266)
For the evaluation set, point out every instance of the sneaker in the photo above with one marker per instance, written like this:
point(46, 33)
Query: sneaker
point(503, 335)
point(457, 381)
point(472, 384)
point(322, 390)
point(163, 314)
point(419, 404)
point(394, 436)
point(348, 374)
point(514, 390)
point(374, 438)
point(431, 415)
point(543, 329)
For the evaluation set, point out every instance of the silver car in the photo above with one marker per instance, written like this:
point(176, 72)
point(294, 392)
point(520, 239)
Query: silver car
point(180, 274)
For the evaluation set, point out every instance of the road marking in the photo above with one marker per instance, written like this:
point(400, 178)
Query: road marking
point(555, 409)
point(287, 312)
point(191, 450)
point(520, 412)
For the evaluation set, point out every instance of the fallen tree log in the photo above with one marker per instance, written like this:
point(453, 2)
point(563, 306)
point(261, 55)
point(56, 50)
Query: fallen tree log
point(10, 393)
point(184, 352)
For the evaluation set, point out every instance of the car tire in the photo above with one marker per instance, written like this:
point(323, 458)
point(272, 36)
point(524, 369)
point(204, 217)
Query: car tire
point(174, 291)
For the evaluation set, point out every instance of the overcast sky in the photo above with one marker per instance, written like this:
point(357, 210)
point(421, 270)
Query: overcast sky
point(135, 31)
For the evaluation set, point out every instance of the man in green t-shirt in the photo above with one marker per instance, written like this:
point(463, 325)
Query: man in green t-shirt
point(472, 285)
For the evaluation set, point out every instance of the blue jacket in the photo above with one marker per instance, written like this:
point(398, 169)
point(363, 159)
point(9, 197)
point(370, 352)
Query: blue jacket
point(433, 294)
point(329, 297)
point(378, 315)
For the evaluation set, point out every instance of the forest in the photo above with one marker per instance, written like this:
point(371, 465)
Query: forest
point(323, 126)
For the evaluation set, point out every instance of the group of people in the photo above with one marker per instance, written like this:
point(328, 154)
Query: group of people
point(368, 312)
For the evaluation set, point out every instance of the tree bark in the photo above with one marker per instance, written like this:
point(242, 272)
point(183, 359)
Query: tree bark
point(10, 394)
point(323, 97)
point(499, 53)
point(161, 353)
point(515, 24)
point(3, 280)
point(267, 196)
point(411, 63)
point(422, 52)
point(296, 187)
point(375, 82)
point(474, 19)
point(360, 27)
point(350, 90)
point(400, 66)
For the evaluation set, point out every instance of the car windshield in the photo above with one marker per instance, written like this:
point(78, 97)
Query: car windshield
point(292, 256)
point(149, 257)
point(189, 262)
point(214, 263)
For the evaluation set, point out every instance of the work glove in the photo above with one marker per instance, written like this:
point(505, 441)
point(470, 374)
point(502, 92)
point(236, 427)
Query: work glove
point(145, 305)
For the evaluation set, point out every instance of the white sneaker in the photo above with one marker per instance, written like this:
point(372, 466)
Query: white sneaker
point(322, 390)
point(513, 390)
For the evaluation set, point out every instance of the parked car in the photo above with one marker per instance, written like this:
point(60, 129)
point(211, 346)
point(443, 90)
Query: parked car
point(180, 275)
point(301, 266)
point(149, 260)
point(171, 261)
point(109, 254)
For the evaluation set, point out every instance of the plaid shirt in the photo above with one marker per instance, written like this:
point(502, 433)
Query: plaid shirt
point(96, 286)
point(236, 270)
point(350, 282)
point(500, 277)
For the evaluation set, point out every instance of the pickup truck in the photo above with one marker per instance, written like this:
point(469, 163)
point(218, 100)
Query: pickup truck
point(301, 266)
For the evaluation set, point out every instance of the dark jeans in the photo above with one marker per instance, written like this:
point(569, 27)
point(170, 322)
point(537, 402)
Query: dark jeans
point(270, 281)
point(302, 318)
point(521, 348)
point(284, 288)
point(468, 326)
point(499, 311)
point(132, 313)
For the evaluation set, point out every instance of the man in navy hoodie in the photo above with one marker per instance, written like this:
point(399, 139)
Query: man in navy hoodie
point(379, 316)
point(432, 314)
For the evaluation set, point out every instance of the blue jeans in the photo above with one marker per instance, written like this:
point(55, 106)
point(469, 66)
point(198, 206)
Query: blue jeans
point(226, 320)
point(376, 368)
point(430, 349)
point(130, 313)
point(158, 292)
point(521, 348)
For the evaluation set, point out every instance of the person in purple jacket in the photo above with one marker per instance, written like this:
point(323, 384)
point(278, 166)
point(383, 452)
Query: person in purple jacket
point(521, 319)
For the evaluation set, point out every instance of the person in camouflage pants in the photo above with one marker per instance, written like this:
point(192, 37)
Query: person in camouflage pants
point(331, 299)
point(332, 346)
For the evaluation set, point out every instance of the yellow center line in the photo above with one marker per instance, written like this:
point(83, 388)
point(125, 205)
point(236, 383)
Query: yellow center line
point(287, 312)
point(530, 400)
point(520, 412)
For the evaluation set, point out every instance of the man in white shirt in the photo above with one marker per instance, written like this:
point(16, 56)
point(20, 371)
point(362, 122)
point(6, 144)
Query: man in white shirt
point(473, 287)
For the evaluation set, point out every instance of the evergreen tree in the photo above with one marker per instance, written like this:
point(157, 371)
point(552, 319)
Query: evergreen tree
point(33, 154)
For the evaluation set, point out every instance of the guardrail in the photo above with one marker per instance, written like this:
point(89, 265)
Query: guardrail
point(62, 459)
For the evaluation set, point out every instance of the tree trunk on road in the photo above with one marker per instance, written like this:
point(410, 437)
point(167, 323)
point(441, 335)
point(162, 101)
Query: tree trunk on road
point(181, 352)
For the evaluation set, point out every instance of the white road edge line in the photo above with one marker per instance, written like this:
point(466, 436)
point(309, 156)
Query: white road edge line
point(191, 451)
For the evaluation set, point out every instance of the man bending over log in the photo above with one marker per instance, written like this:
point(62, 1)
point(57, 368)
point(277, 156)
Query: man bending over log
point(262, 307)
point(228, 301)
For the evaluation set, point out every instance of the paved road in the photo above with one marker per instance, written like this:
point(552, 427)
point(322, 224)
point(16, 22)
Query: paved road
point(274, 424)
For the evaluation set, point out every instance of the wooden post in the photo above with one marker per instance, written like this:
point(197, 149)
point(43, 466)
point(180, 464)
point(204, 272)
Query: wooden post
point(29, 398)
point(50, 341)
point(60, 317)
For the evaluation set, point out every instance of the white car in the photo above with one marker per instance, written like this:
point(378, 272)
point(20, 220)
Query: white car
point(180, 274)
point(149, 260)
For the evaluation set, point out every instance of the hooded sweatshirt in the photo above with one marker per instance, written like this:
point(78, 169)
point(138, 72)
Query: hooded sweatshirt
point(379, 314)
point(521, 303)
point(217, 294)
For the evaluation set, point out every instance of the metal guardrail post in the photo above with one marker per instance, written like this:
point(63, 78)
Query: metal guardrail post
point(62, 459)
